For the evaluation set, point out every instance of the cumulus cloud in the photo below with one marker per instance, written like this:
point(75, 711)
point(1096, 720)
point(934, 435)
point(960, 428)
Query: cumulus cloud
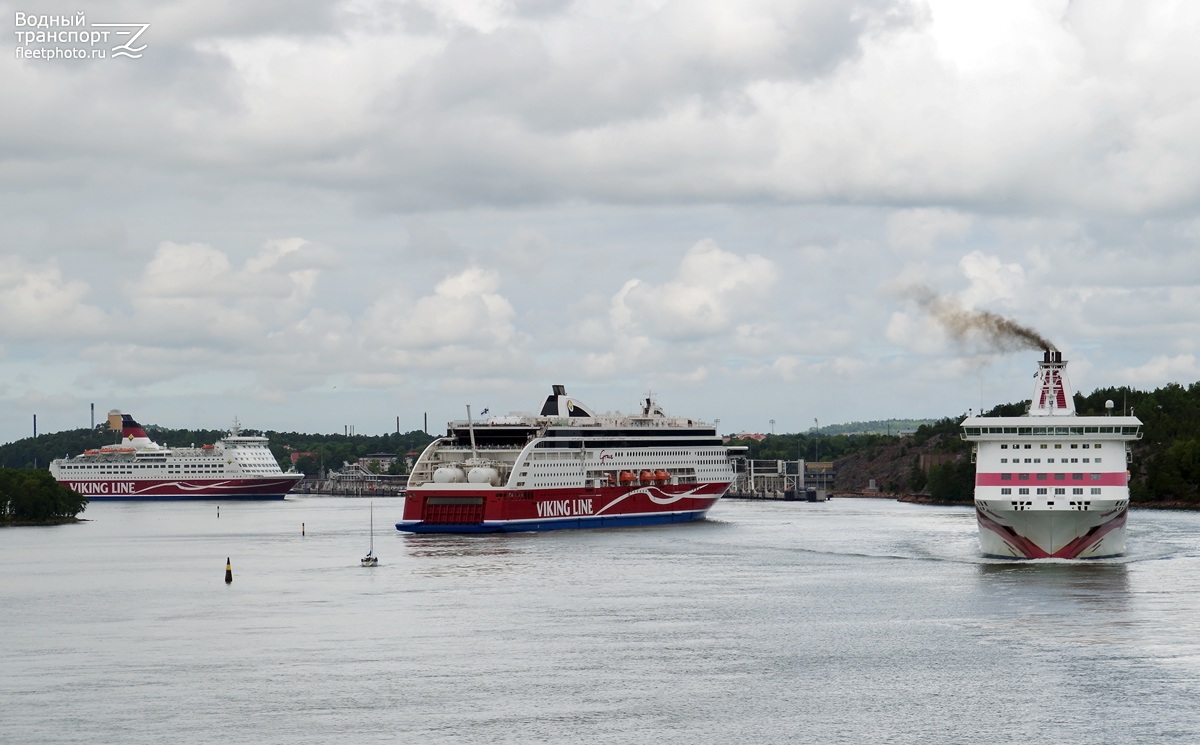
point(38, 302)
point(712, 291)
point(465, 324)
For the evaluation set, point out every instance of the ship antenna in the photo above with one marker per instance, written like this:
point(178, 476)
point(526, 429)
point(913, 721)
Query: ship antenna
point(471, 431)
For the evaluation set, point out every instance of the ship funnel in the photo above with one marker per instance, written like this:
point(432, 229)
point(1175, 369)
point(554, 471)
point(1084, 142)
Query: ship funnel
point(558, 404)
point(1052, 394)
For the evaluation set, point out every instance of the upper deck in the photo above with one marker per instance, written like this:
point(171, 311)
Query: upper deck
point(1004, 429)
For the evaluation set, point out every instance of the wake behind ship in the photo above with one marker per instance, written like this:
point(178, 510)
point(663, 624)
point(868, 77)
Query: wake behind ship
point(235, 467)
point(1052, 484)
point(566, 468)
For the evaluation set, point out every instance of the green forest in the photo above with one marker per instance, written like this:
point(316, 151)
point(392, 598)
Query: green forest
point(33, 496)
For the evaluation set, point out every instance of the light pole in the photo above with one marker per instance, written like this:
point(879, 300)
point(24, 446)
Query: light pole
point(772, 426)
point(816, 442)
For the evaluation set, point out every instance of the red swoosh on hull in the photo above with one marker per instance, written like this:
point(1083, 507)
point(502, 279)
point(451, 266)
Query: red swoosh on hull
point(1070, 551)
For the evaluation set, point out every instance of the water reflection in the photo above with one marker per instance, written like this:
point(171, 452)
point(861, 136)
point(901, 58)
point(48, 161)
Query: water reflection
point(450, 545)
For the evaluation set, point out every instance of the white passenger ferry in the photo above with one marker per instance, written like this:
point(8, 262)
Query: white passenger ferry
point(1052, 484)
point(235, 467)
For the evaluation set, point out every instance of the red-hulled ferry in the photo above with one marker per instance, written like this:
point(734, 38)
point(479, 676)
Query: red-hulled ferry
point(566, 467)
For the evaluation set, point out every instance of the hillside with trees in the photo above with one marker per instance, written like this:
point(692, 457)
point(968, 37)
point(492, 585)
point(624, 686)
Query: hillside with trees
point(315, 451)
point(1164, 472)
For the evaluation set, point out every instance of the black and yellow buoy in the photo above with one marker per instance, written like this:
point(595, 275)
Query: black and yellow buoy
point(228, 571)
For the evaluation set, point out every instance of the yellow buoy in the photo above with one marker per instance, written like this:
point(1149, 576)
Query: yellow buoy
point(228, 571)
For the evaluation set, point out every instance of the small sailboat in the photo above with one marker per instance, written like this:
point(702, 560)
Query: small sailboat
point(371, 560)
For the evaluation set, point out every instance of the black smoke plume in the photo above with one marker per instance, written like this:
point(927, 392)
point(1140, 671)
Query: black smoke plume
point(1000, 333)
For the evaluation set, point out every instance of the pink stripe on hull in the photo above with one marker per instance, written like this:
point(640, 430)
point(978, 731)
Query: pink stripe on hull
point(1120, 478)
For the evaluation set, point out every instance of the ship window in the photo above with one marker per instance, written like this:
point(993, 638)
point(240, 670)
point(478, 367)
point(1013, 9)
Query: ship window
point(1097, 446)
point(1004, 446)
point(1077, 490)
point(1037, 460)
point(1060, 490)
point(1041, 490)
point(1085, 446)
point(1095, 490)
point(1004, 460)
point(1023, 476)
point(1095, 477)
point(1060, 477)
point(1097, 460)
point(1077, 477)
point(1029, 447)
point(1042, 446)
point(1042, 476)
point(1074, 446)
point(1024, 490)
point(1049, 460)
point(1058, 446)
point(1006, 477)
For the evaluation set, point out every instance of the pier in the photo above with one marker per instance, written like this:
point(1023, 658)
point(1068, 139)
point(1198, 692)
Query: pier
point(788, 480)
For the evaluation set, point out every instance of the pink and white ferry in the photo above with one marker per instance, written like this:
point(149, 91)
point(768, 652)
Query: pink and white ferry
point(566, 467)
point(1052, 484)
point(235, 467)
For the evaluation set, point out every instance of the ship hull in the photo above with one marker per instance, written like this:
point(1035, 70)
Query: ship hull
point(181, 489)
point(503, 511)
point(1096, 533)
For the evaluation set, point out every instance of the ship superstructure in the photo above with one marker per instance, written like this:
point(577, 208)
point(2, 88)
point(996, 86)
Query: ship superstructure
point(1052, 484)
point(566, 467)
point(235, 467)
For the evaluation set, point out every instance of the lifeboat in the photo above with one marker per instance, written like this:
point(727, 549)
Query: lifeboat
point(647, 477)
point(662, 476)
point(208, 447)
point(627, 477)
point(91, 452)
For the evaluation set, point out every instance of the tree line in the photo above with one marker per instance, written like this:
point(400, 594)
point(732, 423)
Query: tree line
point(28, 495)
point(1164, 468)
point(317, 450)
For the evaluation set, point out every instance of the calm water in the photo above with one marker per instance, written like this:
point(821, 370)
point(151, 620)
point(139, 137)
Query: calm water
point(853, 621)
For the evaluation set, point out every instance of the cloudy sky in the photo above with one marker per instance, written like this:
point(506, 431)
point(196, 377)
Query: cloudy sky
point(314, 215)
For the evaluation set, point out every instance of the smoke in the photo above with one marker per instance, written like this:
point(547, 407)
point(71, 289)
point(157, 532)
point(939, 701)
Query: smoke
point(1000, 333)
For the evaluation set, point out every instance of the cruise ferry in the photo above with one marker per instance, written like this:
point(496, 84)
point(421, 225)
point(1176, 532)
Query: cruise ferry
point(566, 467)
point(1052, 484)
point(235, 467)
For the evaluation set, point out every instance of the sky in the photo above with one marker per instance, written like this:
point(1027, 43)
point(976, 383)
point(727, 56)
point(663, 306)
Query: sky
point(315, 216)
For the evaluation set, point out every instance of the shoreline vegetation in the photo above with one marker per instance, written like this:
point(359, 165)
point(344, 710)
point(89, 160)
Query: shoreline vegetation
point(32, 497)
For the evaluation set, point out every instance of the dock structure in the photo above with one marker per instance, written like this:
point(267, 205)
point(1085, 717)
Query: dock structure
point(791, 480)
point(352, 480)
